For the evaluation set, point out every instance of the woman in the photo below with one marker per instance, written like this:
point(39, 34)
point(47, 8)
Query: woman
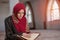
point(16, 25)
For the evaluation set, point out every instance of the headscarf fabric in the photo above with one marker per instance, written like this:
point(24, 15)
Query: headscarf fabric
point(20, 24)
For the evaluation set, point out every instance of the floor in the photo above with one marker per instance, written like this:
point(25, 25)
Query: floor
point(44, 35)
point(48, 34)
point(2, 35)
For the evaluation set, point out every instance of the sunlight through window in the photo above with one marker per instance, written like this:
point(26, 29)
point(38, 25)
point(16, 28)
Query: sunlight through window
point(28, 14)
point(52, 11)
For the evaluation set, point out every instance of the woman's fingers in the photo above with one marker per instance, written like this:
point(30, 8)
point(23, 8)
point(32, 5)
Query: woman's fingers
point(26, 35)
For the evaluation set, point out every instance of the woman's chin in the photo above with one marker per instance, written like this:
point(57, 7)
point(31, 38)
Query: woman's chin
point(20, 18)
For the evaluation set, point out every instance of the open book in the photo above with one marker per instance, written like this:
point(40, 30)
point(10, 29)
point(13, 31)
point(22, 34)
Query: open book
point(33, 36)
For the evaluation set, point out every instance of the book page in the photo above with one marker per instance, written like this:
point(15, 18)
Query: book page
point(33, 36)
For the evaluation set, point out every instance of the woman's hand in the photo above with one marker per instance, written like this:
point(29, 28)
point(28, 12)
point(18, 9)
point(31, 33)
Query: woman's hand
point(26, 35)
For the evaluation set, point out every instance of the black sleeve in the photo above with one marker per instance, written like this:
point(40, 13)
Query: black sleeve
point(9, 32)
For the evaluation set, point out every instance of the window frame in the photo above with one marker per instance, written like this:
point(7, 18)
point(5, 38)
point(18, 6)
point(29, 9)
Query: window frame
point(33, 21)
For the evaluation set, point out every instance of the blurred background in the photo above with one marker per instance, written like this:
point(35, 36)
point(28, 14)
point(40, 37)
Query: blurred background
point(41, 14)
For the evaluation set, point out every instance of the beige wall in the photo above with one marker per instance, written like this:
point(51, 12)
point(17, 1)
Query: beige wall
point(4, 11)
point(39, 11)
point(39, 14)
point(6, 7)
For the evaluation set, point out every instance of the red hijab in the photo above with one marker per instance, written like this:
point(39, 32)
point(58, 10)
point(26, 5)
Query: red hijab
point(20, 24)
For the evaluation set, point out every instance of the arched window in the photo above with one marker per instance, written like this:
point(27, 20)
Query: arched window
point(30, 15)
point(53, 11)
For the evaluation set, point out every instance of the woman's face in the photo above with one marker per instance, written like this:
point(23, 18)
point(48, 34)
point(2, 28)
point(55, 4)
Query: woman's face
point(20, 14)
